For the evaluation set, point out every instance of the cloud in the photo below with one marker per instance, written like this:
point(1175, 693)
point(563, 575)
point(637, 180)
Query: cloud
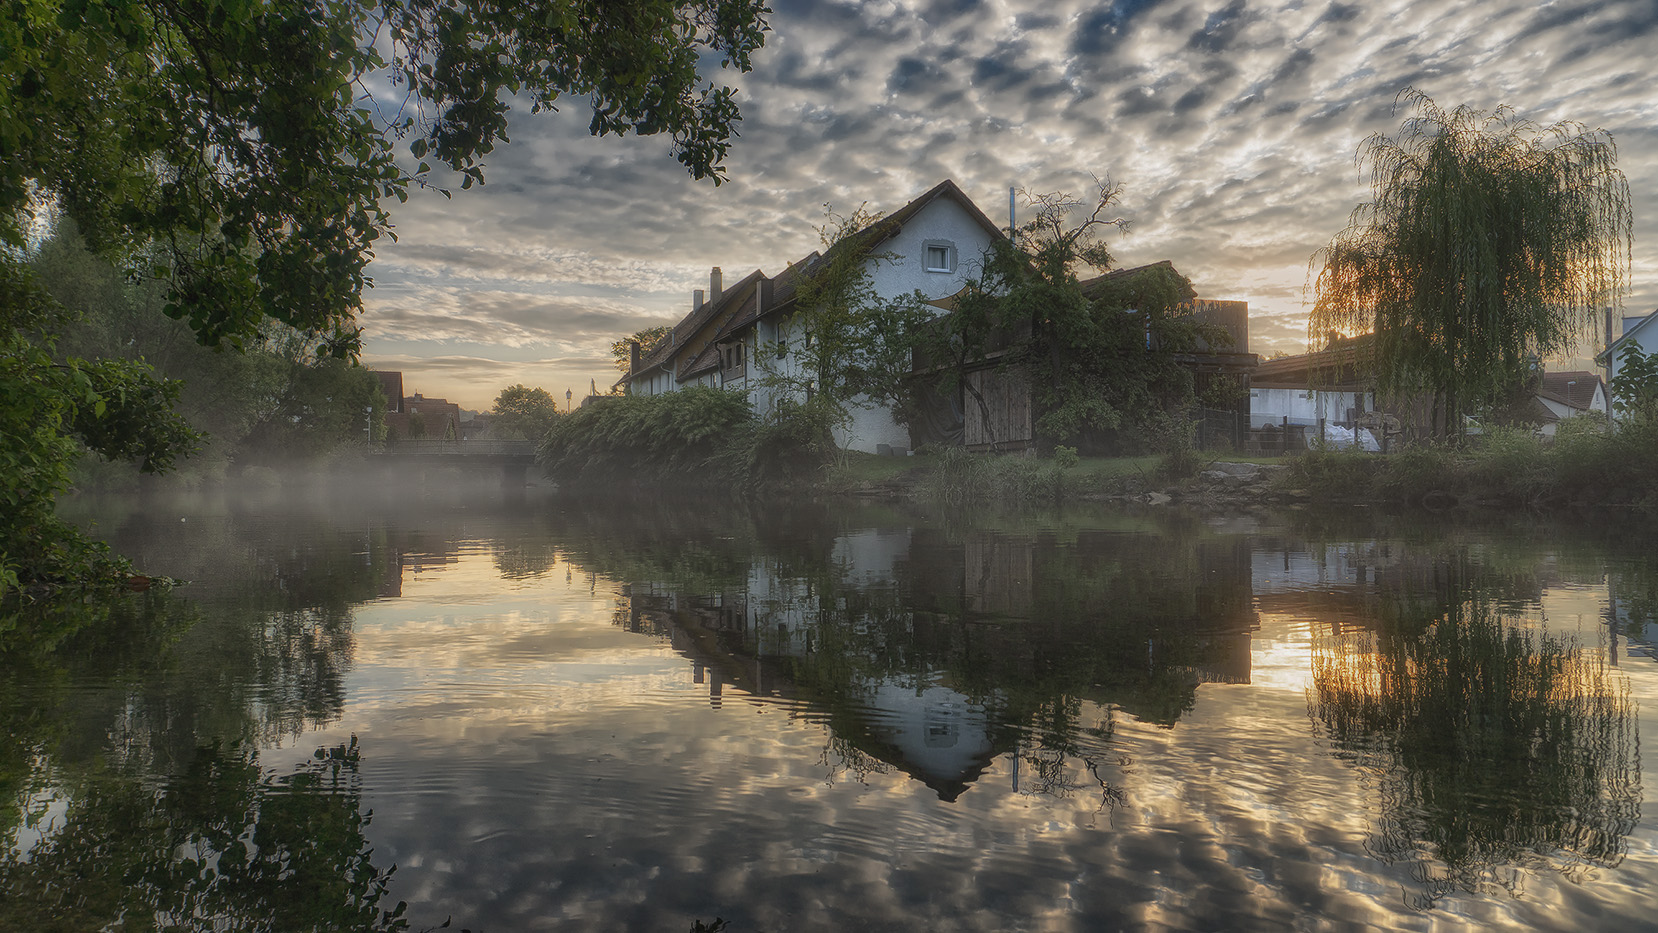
point(1233, 128)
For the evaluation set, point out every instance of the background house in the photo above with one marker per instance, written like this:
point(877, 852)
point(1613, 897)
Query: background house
point(1641, 332)
point(1291, 396)
point(1565, 395)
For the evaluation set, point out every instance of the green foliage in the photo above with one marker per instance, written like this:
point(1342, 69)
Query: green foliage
point(672, 437)
point(793, 442)
point(1635, 387)
point(50, 411)
point(276, 401)
point(961, 477)
point(227, 155)
point(523, 413)
point(1488, 243)
point(1584, 466)
point(326, 403)
point(622, 352)
point(1180, 460)
point(845, 344)
point(236, 140)
point(1329, 471)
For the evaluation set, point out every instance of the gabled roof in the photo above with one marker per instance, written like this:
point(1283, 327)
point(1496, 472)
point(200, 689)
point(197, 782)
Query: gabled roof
point(1091, 286)
point(779, 291)
point(708, 357)
point(1573, 389)
point(1629, 333)
point(866, 240)
point(710, 313)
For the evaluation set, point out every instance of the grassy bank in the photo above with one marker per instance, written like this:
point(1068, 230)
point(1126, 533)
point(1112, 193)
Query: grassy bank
point(955, 476)
point(1585, 466)
point(704, 438)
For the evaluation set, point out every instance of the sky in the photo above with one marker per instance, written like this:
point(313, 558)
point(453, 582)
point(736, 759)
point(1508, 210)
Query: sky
point(1231, 125)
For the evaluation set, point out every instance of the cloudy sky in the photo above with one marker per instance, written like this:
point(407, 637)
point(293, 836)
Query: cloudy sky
point(1231, 124)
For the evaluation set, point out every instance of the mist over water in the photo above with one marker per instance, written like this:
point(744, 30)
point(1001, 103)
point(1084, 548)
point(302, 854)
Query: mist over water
point(531, 711)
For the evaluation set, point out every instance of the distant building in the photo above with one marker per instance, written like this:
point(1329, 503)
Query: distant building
point(1566, 395)
point(391, 386)
point(419, 416)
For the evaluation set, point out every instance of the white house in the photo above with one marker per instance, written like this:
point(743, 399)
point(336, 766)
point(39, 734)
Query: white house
point(932, 245)
point(1567, 395)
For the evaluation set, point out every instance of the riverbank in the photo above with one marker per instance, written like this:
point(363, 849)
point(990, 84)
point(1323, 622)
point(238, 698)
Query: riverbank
point(1502, 471)
point(962, 478)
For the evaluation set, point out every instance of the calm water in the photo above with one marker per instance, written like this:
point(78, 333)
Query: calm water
point(609, 716)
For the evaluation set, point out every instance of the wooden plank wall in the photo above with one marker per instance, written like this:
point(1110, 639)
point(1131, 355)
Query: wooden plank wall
point(1006, 395)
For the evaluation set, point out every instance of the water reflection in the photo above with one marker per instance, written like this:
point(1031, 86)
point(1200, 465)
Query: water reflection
point(1491, 748)
point(806, 717)
point(219, 844)
point(934, 652)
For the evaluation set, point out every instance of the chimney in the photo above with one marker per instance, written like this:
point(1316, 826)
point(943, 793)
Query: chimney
point(696, 299)
point(633, 356)
point(714, 282)
point(762, 296)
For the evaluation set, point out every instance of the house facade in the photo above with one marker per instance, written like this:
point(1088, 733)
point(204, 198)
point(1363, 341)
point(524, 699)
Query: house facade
point(931, 246)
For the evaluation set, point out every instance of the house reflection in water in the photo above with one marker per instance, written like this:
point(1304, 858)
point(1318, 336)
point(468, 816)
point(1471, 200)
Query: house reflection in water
point(935, 653)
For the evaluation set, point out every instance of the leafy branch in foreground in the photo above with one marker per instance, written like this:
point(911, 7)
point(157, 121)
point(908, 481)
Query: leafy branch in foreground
point(238, 152)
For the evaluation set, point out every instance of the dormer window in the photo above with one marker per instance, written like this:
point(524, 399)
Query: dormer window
point(939, 256)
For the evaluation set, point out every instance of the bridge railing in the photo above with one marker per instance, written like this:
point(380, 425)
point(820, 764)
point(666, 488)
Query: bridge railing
point(477, 447)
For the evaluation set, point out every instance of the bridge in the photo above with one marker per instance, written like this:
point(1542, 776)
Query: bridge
point(512, 458)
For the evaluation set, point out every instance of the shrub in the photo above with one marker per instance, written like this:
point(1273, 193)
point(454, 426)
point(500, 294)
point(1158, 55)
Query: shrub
point(675, 436)
point(960, 476)
point(795, 440)
point(1333, 474)
point(1506, 463)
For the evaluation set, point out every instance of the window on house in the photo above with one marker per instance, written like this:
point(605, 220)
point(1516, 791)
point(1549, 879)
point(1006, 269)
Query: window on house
point(940, 256)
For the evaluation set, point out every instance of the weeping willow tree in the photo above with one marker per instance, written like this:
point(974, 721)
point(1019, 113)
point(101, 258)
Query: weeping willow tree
point(1489, 243)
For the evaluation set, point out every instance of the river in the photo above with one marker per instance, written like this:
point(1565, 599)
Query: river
point(555, 713)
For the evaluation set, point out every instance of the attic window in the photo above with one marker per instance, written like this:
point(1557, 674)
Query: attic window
point(940, 256)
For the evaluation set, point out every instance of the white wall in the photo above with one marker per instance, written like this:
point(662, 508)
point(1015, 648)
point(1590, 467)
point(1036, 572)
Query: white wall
point(944, 221)
point(1301, 406)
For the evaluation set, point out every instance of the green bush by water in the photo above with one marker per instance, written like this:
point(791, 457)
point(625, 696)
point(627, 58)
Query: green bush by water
point(696, 437)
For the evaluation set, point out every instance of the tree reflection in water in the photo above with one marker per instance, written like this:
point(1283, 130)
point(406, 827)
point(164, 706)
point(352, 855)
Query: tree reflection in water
point(132, 794)
point(1493, 749)
point(220, 845)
